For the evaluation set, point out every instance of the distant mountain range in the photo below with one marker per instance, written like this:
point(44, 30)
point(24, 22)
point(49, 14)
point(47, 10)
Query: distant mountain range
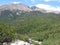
point(23, 7)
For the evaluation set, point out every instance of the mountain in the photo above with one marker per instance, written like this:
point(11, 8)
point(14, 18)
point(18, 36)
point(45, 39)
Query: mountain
point(15, 7)
point(25, 8)
point(10, 12)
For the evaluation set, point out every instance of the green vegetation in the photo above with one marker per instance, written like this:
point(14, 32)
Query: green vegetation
point(34, 25)
point(7, 33)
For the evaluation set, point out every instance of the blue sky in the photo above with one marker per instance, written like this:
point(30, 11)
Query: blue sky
point(32, 2)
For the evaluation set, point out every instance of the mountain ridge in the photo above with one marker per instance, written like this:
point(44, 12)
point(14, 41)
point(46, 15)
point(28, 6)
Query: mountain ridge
point(25, 8)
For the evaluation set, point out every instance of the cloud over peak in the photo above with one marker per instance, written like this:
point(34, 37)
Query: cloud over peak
point(15, 2)
point(48, 8)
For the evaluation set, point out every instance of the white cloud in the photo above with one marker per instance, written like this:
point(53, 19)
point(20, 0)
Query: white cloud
point(51, 0)
point(48, 8)
point(32, 0)
point(15, 2)
point(46, 0)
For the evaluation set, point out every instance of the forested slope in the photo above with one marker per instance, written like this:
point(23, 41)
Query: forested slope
point(35, 25)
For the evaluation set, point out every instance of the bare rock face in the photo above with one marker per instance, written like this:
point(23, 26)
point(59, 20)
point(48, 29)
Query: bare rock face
point(20, 42)
point(5, 44)
point(15, 7)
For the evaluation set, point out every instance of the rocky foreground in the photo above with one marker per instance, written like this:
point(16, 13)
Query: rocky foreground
point(20, 42)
